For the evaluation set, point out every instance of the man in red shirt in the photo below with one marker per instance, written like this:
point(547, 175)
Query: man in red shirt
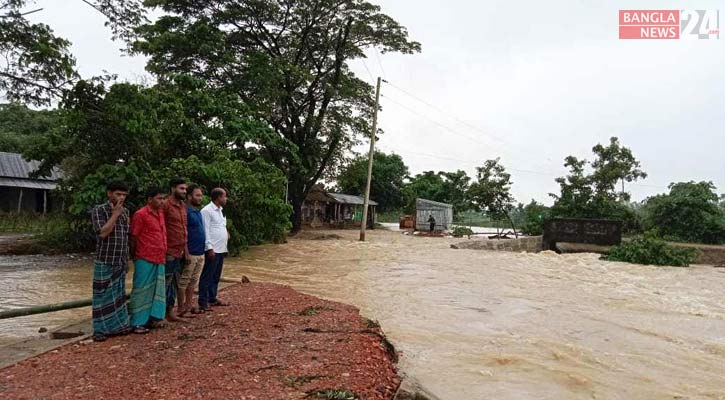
point(176, 251)
point(148, 248)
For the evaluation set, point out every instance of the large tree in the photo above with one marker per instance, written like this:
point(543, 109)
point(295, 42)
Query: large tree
point(455, 187)
point(288, 60)
point(491, 192)
point(427, 185)
point(585, 194)
point(689, 213)
point(445, 187)
point(389, 172)
point(36, 65)
point(145, 135)
point(614, 163)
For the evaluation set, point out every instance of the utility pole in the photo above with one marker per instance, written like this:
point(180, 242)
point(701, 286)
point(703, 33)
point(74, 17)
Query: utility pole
point(366, 203)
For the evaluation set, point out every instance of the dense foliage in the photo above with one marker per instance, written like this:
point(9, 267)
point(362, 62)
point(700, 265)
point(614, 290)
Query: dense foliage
point(689, 213)
point(532, 217)
point(650, 250)
point(147, 135)
point(37, 66)
point(286, 60)
point(427, 185)
point(491, 192)
point(594, 195)
point(461, 231)
point(20, 126)
point(388, 175)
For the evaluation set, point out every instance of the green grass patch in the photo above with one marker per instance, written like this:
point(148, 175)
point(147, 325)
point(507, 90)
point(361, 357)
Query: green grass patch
point(30, 223)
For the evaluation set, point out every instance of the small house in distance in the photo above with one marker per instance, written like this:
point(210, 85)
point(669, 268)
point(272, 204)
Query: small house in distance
point(335, 210)
point(441, 212)
point(18, 191)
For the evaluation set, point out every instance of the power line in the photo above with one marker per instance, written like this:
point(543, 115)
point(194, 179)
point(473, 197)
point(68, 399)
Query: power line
point(551, 175)
point(368, 69)
point(455, 132)
point(476, 163)
point(448, 114)
point(472, 138)
point(467, 124)
point(377, 55)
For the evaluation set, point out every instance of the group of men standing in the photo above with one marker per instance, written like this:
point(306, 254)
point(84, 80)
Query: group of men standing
point(174, 246)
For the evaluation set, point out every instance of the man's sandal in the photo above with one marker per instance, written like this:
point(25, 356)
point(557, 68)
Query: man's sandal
point(140, 330)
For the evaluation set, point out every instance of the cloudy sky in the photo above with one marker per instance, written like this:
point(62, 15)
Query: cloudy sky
point(528, 81)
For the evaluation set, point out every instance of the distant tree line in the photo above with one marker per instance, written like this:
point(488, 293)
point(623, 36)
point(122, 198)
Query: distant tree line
point(690, 212)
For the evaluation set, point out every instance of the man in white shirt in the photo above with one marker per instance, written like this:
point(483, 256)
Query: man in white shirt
point(217, 237)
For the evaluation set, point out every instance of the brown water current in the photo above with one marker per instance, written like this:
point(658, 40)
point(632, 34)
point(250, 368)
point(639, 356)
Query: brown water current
point(476, 324)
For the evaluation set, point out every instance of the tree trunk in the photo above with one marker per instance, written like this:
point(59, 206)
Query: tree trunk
point(296, 200)
point(512, 225)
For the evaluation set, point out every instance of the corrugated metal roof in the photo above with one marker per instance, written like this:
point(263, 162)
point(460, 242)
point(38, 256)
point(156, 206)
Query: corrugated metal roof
point(349, 199)
point(429, 203)
point(28, 183)
point(13, 165)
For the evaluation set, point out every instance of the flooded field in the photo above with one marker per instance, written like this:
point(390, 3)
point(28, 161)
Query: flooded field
point(481, 325)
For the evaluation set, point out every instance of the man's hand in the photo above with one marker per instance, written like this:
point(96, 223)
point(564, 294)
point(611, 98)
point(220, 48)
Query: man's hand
point(188, 258)
point(107, 228)
point(118, 208)
point(210, 253)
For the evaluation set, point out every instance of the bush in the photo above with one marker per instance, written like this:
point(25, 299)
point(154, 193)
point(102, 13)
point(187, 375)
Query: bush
point(689, 213)
point(461, 231)
point(256, 211)
point(534, 215)
point(650, 250)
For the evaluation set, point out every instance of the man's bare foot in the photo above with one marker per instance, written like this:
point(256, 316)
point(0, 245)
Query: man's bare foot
point(186, 313)
point(172, 317)
point(175, 318)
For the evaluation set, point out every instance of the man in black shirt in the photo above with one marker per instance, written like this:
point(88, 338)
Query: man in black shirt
point(111, 226)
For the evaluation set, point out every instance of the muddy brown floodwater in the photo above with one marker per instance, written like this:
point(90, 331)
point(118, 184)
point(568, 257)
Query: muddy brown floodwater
point(493, 325)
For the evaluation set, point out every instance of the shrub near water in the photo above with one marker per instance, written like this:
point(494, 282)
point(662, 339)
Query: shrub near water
point(461, 231)
point(650, 250)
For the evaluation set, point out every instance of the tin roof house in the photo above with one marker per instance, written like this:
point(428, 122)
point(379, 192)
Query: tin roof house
point(19, 191)
point(336, 210)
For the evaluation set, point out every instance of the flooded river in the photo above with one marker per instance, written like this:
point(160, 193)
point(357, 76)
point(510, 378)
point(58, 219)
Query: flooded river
point(477, 324)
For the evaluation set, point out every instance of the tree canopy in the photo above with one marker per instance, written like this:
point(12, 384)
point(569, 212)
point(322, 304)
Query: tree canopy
point(491, 192)
point(20, 126)
point(389, 173)
point(145, 135)
point(288, 61)
point(594, 195)
point(688, 213)
point(36, 65)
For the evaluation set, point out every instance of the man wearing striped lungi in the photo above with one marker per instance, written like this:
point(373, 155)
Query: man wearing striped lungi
point(111, 225)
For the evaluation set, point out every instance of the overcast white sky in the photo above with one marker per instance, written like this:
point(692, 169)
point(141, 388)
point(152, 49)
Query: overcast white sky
point(528, 81)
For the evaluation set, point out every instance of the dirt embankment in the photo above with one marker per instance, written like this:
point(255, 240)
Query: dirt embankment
point(271, 343)
point(23, 244)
